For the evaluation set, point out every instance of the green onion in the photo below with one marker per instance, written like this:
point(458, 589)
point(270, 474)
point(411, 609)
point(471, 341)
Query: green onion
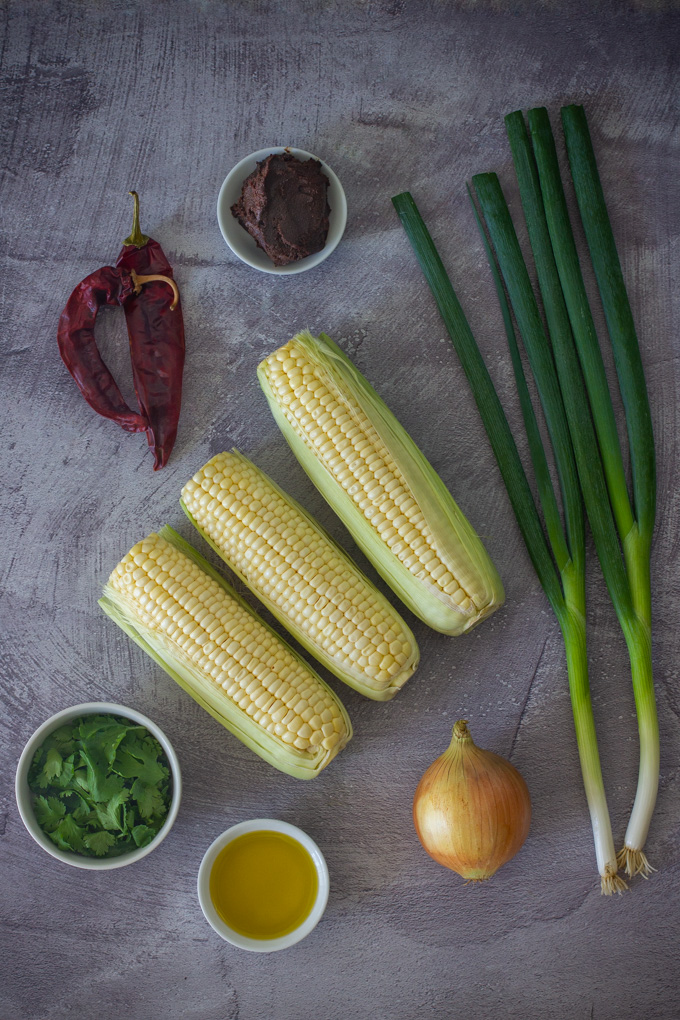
point(637, 542)
point(601, 471)
point(564, 583)
point(626, 561)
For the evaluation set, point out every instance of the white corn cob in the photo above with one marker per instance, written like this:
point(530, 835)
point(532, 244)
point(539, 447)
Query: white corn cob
point(370, 471)
point(225, 656)
point(301, 575)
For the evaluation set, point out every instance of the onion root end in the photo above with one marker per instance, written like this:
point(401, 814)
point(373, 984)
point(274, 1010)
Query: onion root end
point(611, 883)
point(634, 862)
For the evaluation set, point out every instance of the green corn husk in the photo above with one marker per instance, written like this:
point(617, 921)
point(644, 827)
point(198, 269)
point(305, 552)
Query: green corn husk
point(476, 590)
point(204, 689)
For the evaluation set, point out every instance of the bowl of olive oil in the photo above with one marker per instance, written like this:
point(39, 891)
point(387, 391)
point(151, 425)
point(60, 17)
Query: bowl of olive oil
point(263, 885)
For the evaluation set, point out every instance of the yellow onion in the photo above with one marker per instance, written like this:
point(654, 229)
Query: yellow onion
point(471, 809)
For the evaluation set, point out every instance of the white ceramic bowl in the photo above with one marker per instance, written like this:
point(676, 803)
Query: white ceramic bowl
point(220, 926)
point(240, 241)
point(23, 793)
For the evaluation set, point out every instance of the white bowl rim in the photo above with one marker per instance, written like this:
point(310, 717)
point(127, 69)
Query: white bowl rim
point(239, 240)
point(216, 922)
point(23, 793)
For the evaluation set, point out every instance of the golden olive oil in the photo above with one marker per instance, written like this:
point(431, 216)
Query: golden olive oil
point(263, 884)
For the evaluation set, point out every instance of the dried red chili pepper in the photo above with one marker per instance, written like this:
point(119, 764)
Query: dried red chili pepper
point(139, 283)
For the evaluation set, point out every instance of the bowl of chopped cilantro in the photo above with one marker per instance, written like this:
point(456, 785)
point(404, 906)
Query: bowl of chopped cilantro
point(98, 786)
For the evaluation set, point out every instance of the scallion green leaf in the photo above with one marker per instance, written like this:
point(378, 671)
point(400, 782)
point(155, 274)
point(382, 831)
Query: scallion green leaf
point(580, 315)
point(488, 403)
point(616, 305)
point(539, 461)
point(504, 239)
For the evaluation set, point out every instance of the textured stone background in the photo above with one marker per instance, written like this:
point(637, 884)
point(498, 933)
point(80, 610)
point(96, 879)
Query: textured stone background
point(99, 97)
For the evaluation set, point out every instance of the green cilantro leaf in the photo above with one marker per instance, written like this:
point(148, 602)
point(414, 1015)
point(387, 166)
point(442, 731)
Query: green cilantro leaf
point(99, 842)
point(68, 835)
point(143, 834)
point(129, 817)
point(139, 759)
point(79, 807)
point(63, 734)
point(103, 740)
point(63, 740)
point(65, 778)
point(101, 784)
point(48, 812)
point(80, 781)
point(52, 767)
point(149, 799)
point(109, 814)
point(91, 725)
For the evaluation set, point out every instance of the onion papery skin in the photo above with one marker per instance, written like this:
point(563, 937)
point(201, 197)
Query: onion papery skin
point(471, 809)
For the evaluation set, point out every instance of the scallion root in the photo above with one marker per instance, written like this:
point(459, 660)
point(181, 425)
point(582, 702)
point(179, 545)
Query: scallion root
point(634, 862)
point(611, 883)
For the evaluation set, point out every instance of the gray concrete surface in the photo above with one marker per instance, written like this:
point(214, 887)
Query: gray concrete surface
point(97, 98)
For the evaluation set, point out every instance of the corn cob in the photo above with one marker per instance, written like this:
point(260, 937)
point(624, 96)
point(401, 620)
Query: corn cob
point(301, 575)
point(379, 483)
point(180, 611)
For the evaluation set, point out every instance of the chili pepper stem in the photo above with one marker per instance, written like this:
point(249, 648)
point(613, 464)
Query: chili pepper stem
point(136, 238)
point(139, 281)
